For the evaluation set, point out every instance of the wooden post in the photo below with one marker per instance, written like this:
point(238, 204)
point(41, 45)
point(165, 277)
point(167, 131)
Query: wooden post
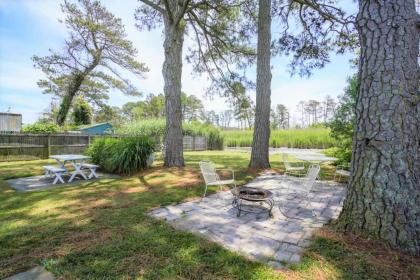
point(49, 145)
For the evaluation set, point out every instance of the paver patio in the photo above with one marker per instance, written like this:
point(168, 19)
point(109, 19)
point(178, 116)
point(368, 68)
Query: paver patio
point(40, 182)
point(274, 241)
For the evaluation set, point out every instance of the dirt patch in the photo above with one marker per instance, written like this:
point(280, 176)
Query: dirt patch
point(82, 241)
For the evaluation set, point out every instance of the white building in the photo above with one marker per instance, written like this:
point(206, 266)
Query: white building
point(10, 122)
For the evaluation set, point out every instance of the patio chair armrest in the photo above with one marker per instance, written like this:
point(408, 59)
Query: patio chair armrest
point(227, 169)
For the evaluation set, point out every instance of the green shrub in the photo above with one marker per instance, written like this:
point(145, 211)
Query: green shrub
point(40, 127)
point(123, 156)
point(155, 128)
point(151, 127)
point(343, 154)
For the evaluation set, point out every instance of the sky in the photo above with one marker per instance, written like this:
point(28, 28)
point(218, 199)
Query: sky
point(29, 27)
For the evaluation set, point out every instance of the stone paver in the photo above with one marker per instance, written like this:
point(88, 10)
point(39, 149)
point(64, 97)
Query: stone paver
point(275, 240)
point(36, 273)
point(40, 182)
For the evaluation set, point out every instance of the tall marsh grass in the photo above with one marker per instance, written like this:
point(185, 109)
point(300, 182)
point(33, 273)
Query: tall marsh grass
point(315, 138)
point(155, 128)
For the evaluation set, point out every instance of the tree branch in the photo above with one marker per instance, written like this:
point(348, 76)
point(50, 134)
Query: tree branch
point(182, 12)
point(168, 11)
point(154, 6)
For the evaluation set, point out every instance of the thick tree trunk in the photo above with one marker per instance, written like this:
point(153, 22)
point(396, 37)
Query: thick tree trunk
point(261, 138)
point(383, 198)
point(172, 72)
point(72, 90)
point(74, 86)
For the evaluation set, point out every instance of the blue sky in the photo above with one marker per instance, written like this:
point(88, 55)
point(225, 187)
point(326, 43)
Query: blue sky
point(29, 27)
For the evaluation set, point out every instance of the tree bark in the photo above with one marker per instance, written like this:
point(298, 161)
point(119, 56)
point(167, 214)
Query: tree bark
point(261, 138)
point(74, 86)
point(172, 72)
point(383, 198)
point(65, 104)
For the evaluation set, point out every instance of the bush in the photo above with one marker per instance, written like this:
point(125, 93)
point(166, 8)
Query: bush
point(342, 125)
point(39, 127)
point(343, 154)
point(123, 156)
point(155, 128)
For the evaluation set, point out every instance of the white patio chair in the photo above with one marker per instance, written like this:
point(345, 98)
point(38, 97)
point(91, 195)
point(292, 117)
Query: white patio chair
point(307, 184)
point(211, 178)
point(342, 171)
point(295, 169)
point(311, 176)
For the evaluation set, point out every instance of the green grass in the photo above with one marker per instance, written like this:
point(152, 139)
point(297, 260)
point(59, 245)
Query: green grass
point(156, 128)
point(293, 138)
point(98, 230)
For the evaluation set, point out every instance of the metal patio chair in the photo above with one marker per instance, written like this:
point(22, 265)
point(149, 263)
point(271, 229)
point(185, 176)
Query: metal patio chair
point(311, 176)
point(307, 184)
point(295, 169)
point(341, 171)
point(212, 178)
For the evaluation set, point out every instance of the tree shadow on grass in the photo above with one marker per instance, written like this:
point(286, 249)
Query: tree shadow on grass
point(98, 230)
point(347, 256)
point(153, 250)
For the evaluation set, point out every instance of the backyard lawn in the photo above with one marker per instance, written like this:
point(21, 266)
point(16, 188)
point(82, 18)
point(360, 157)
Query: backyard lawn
point(98, 230)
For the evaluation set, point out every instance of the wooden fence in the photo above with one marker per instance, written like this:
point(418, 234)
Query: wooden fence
point(18, 146)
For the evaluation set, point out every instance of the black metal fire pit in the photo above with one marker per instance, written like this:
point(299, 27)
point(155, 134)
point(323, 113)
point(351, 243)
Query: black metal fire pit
point(262, 200)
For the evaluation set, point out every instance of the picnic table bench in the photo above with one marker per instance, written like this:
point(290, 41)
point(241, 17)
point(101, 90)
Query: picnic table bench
point(77, 161)
point(55, 172)
point(92, 168)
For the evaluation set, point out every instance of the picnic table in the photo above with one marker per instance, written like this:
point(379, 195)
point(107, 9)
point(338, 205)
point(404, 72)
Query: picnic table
point(75, 160)
point(315, 158)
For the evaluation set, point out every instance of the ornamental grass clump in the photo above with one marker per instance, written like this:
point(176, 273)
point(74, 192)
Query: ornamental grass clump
point(122, 156)
point(155, 128)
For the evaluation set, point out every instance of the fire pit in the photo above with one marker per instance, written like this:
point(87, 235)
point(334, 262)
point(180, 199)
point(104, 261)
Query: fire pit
point(262, 200)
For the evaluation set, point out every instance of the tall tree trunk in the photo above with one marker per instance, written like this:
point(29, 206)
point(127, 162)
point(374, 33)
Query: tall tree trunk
point(74, 86)
point(383, 198)
point(261, 138)
point(67, 100)
point(172, 72)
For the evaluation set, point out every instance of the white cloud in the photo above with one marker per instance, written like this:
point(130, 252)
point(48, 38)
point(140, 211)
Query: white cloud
point(18, 76)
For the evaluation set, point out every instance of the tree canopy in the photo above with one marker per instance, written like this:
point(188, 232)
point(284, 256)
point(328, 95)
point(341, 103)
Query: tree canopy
point(153, 107)
point(90, 61)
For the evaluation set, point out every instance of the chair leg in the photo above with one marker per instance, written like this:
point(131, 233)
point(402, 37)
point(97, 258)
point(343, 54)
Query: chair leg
point(205, 191)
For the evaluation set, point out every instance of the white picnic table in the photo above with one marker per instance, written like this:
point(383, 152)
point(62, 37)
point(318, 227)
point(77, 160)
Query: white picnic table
point(315, 158)
point(75, 160)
